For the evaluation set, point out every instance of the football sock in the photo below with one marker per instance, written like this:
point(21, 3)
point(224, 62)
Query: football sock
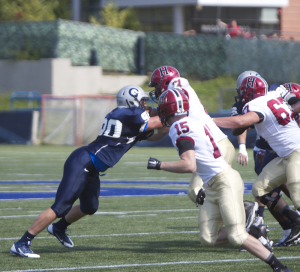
point(274, 262)
point(286, 225)
point(261, 210)
point(62, 224)
point(26, 237)
point(291, 214)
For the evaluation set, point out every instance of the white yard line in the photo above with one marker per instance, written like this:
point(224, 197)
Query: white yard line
point(135, 215)
point(111, 235)
point(8, 209)
point(187, 217)
point(107, 213)
point(145, 264)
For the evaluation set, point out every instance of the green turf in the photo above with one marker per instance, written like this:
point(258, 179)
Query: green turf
point(155, 233)
point(45, 162)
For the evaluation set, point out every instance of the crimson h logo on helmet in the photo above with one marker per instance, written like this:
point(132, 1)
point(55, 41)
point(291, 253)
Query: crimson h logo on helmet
point(250, 82)
point(163, 71)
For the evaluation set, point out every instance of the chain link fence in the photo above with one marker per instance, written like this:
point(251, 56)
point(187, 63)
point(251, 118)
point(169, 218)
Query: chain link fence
point(202, 56)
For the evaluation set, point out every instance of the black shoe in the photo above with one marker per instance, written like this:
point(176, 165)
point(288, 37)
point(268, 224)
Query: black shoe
point(260, 233)
point(294, 235)
point(285, 269)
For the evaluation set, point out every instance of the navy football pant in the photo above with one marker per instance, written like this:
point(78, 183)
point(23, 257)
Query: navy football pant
point(258, 167)
point(80, 180)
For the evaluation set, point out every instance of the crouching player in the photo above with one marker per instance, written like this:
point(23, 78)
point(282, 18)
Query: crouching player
point(224, 187)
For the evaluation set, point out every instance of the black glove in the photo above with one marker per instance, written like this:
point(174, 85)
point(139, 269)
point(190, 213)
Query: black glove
point(145, 135)
point(200, 197)
point(153, 164)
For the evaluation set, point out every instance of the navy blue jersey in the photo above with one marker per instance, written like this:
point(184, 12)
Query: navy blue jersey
point(119, 133)
point(273, 87)
point(261, 143)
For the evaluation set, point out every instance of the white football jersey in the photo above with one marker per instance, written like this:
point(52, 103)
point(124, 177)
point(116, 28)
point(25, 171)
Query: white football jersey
point(208, 156)
point(281, 91)
point(196, 109)
point(279, 127)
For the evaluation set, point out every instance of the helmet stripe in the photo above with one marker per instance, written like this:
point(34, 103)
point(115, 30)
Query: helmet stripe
point(179, 100)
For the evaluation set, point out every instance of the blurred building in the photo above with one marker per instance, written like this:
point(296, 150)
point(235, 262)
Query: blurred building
point(181, 15)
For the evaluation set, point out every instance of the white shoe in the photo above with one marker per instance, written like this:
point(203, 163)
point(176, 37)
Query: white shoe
point(281, 243)
point(60, 235)
point(23, 249)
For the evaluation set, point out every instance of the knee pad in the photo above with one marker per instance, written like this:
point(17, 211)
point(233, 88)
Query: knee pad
point(266, 198)
point(277, 190)
point(91, 209)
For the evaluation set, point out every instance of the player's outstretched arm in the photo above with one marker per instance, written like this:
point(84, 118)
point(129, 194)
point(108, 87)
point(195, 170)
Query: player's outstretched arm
point(186, 164)
point(159, 133)
point(154, 123)
point(241, 121)
point(243, 154)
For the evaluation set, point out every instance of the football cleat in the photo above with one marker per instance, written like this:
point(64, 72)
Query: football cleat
point(23, 249)
point(281, 243)
point(260, 233)
point(60, 235)
point(250, 208)
point(258, 221)
point(297, 242)
point(293, 236)
point(285, 269)
point(243, 250)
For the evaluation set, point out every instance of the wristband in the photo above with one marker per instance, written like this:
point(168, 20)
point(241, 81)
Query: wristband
point(242, 148)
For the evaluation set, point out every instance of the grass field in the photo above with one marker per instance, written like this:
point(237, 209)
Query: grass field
point(146, 233)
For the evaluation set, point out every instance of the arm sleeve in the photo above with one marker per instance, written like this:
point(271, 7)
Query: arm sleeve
point(260, 115)
point(185, 144)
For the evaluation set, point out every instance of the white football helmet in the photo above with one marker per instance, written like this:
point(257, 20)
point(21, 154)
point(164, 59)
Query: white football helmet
point(131, 96)
point(243, 75)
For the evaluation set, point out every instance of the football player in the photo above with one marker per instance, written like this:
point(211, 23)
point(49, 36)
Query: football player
point(263, 154)
point(275, 122)
point(167, 77)
point(121, 129)
point(236, 110)
point(261, 149)
point(198, 151)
